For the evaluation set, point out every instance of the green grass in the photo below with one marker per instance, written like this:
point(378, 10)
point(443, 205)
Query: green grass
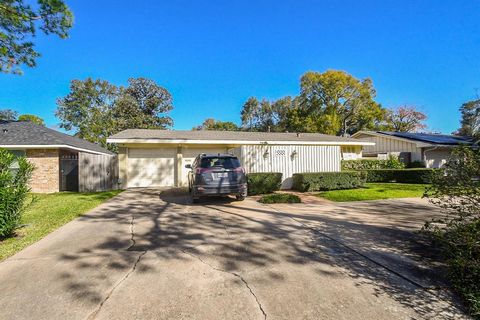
point(280, 198)
point(376, 191)
point(48, 212)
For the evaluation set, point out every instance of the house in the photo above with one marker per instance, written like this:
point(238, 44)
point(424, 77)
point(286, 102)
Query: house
point(62, 162)
point(431, 149)
point(150, 158)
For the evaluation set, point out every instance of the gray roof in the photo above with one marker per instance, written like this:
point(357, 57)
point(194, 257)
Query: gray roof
point(441, 139)
point(15, 133)
point(228, 135)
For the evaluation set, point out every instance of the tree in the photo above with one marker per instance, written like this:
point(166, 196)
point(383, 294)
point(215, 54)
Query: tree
point(143, 105)
point(19, 23)
point(265, 115)
point(470, 119)
point(8, 115)
point(96, 109)
point(15, 172)
point(456, 189)
point(405, 119)
point(212, 124)
point(335, 102)
point(32, 118)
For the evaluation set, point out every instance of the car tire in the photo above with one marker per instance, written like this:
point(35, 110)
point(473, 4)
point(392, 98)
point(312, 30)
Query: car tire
point(240, 197)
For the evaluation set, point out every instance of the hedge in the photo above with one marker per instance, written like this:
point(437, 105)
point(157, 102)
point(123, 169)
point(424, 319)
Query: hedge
point(371, 164)
point(322, 181)
point(264, 182)
point(418, 175)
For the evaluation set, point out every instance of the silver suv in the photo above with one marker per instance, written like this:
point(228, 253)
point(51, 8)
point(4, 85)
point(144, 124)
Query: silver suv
point(216, 174)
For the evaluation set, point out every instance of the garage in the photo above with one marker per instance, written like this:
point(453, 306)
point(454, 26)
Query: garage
point(157, 158)
point(151, 167)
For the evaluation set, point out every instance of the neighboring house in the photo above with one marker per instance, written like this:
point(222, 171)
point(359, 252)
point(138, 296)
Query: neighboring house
point(62, 162)
point(150, 158)
point(431, 149)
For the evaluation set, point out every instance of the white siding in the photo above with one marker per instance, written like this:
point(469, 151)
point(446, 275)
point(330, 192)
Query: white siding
point(289, 159)
point(388, 145)
point(436, 158)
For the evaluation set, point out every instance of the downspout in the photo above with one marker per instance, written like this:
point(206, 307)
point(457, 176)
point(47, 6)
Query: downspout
point(424, 155)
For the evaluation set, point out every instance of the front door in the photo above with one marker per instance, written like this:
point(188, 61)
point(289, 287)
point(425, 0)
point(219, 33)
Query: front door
point(69, 172)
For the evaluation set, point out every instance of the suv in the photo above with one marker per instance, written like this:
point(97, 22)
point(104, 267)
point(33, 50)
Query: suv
point(216, 174)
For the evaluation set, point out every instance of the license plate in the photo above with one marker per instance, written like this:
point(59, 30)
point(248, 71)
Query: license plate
point(221, 175)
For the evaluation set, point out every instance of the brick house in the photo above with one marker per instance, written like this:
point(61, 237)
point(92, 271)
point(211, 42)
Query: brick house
point(62, 162)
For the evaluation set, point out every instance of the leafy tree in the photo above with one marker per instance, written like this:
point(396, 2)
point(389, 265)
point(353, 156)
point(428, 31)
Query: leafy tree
point(96, 109)
point(19, 23)
point(212, 124)
point(456, 189)
point(470, 119)
point(8, 114)
point(32, 118)
point(143, 104)
point(405, 119)
point(14, 176)
point(266, 115)
point(335, 102)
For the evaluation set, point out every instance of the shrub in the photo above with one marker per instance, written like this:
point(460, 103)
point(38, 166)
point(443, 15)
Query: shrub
point(401, 176)
point(372, 164)
point(280, 198)
point(265, 182)
point(13, 190)
point(322, 181)
point(456, 189)
point(416, 164)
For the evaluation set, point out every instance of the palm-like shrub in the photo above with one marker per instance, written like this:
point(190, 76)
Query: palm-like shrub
point(13, 190)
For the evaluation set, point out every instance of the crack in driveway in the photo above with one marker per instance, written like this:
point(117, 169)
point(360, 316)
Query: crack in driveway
point(125, 277)
point(233, 274)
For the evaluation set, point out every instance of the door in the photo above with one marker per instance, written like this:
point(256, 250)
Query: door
point(153, 167)
point(69, 172)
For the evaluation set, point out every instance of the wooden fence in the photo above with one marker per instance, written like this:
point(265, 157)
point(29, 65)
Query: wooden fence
point(97, 172)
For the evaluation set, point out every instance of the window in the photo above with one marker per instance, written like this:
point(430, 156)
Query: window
point(220, 162)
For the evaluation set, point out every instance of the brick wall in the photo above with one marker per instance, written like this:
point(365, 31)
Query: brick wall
point(45, 177)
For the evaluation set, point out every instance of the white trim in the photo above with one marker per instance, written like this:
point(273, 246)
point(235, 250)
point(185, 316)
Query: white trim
point(419, 144)
point(239, 142)
point(49, 146)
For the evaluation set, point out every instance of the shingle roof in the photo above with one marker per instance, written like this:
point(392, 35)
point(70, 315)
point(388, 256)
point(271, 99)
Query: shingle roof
point(26, 133)
point(441, 139)
point(228, 135)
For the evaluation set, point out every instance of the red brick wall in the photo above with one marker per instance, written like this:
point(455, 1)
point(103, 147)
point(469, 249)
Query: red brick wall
point(45, 177)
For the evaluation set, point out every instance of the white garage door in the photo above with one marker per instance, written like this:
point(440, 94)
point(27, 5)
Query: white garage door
point(151, 167)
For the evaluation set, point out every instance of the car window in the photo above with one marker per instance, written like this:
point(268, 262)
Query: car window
point(220, 162)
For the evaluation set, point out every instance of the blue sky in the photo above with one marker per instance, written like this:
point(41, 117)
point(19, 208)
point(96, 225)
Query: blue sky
point(213, 55)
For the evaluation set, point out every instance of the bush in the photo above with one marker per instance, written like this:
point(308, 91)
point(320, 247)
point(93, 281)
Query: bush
point(280, 198)
point(401, 176)
point(322, 181)
point(372, 164)
point(416, 164)
point(265, 182)
point(13, 190)
point(456, 189)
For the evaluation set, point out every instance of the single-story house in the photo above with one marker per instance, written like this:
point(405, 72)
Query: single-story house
point(149, 158)
point(431, 149)
point(62, 162)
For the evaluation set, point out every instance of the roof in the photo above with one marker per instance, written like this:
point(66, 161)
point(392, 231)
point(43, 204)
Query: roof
point(427, 138)
point(28, 134)
point(234, 137)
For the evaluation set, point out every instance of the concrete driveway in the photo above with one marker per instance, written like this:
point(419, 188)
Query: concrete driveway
point(151, 255)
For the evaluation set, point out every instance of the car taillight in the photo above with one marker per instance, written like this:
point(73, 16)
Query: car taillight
point(239, 170)
point(202, 170)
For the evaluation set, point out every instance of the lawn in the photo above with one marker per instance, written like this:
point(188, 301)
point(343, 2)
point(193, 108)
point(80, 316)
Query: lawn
point(375, 191)
point(48, 212)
